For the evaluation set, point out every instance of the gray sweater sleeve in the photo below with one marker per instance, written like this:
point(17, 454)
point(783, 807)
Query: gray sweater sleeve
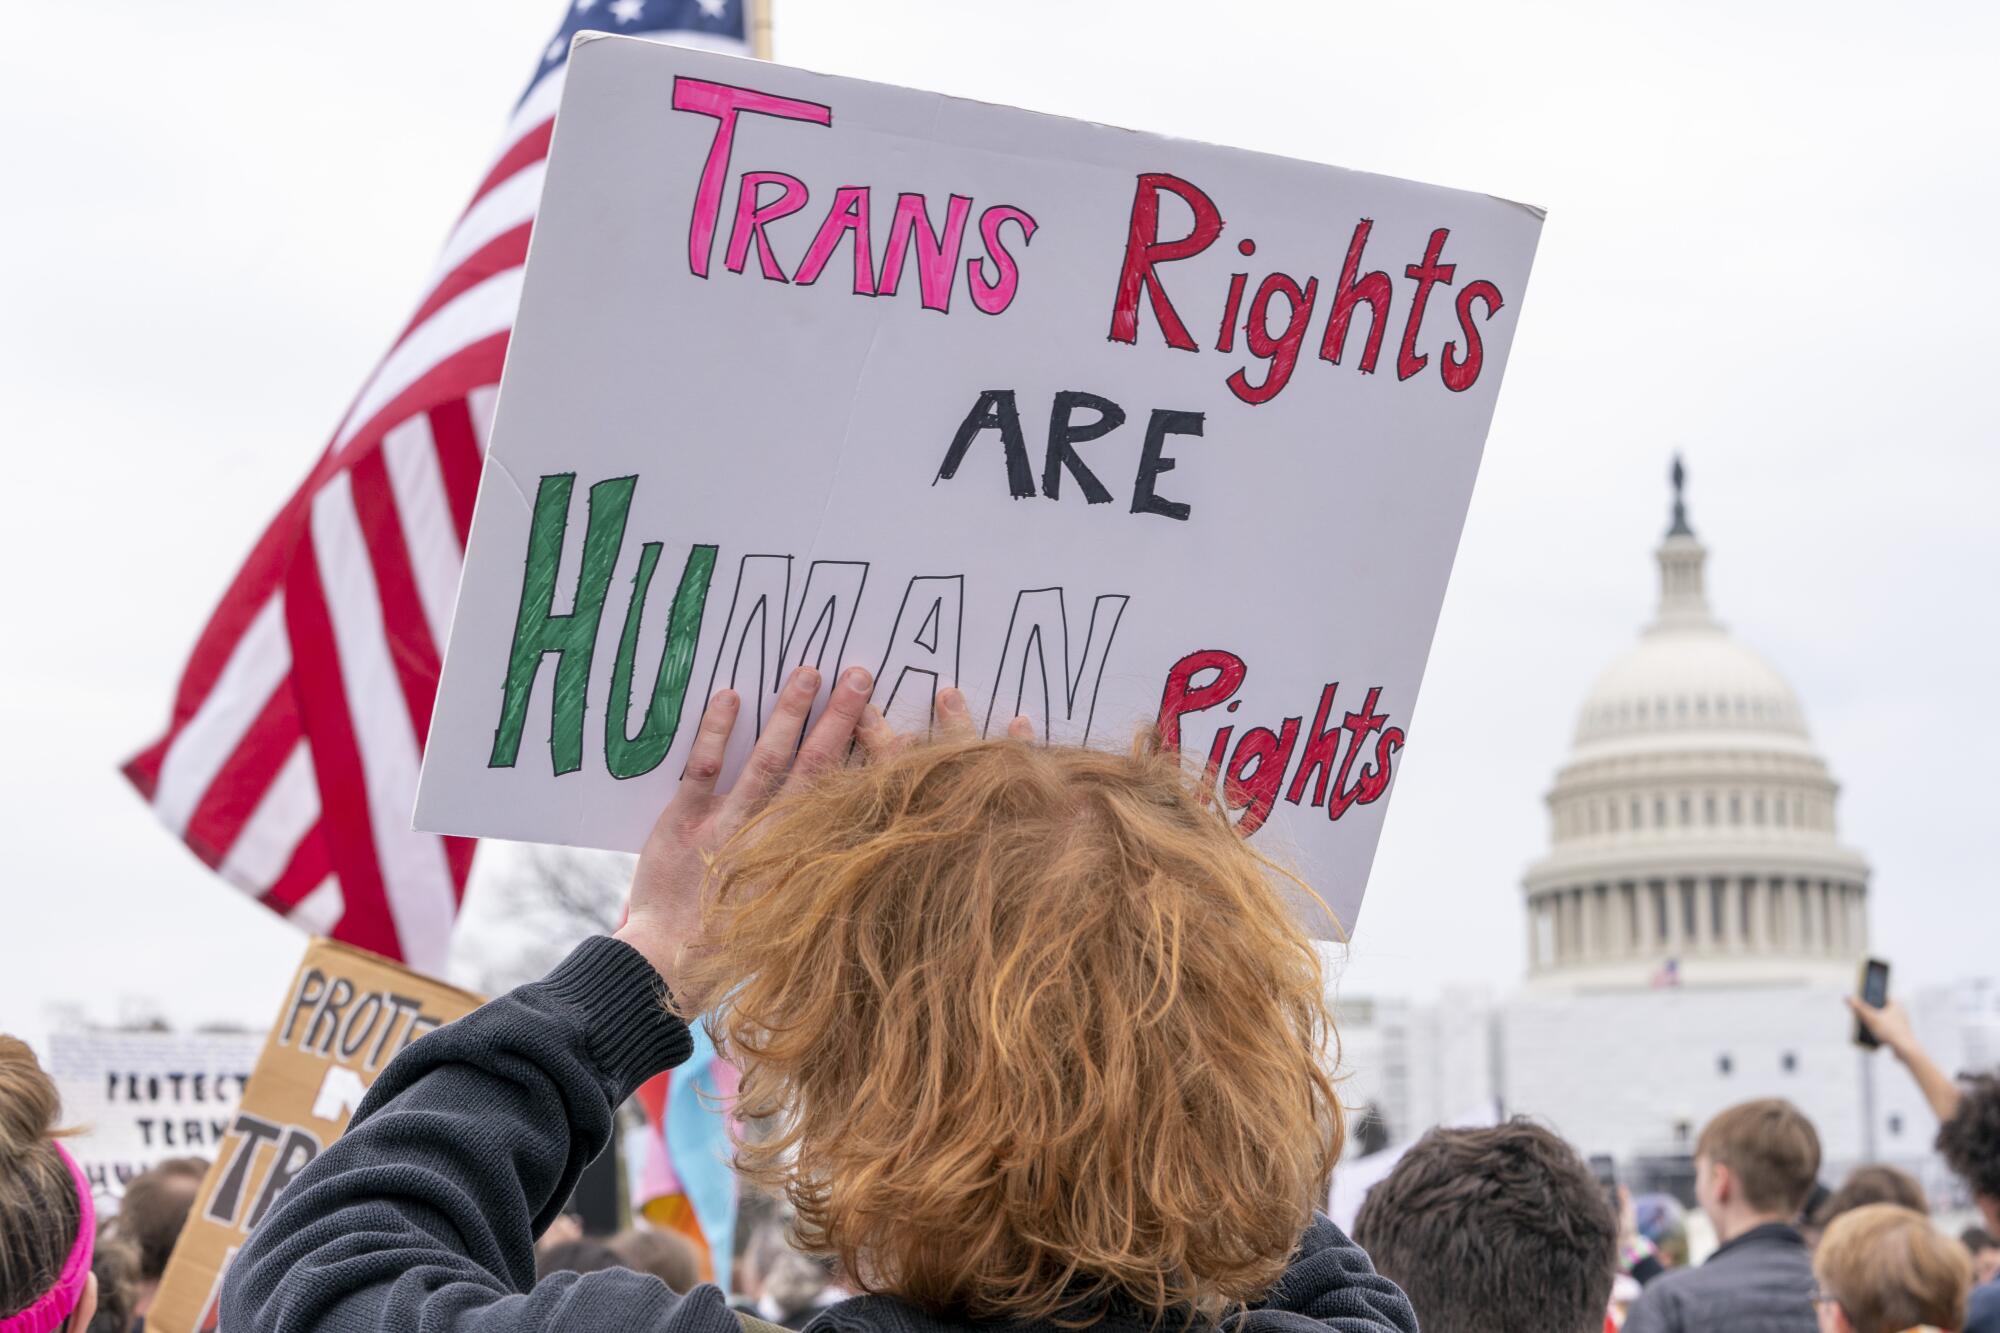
point(423, 1214)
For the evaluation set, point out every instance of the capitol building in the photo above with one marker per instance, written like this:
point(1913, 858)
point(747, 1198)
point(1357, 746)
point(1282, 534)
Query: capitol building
point(1693, 830)
point(1689, 934)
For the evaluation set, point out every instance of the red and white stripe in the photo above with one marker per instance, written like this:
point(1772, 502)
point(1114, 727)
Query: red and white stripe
point(290, 763)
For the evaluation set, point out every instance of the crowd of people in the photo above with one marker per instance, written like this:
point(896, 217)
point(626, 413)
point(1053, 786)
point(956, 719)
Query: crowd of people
point(1038, 1043)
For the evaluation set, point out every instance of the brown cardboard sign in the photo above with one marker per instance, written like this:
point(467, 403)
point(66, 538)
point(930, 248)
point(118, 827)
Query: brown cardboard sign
point(346, 1015)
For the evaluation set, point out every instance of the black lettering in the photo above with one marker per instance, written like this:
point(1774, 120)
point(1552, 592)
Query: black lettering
point(995, 410)
point(1064, 436)
point(300, 1148)
point(228, 1197)
point(1153, 461)
point(312, 986)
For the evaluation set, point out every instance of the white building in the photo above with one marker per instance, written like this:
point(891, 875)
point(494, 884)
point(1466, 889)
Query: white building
point(1690, 932)
point(1697, 919)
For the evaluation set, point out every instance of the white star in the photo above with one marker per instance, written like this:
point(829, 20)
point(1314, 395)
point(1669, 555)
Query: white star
point(585, 6)
point(627, 11)
point(713, 8)
point(556, 49)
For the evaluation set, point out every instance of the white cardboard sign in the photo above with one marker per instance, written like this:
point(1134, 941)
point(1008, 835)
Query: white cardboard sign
point(1103, 427)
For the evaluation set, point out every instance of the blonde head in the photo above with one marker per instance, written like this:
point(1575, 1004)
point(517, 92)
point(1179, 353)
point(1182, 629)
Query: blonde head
point(1035, 1028)
point(1891, 1270)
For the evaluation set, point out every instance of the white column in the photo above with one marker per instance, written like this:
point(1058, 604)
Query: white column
point(1592, 945)
point(1760, 915)
point(1670, 893)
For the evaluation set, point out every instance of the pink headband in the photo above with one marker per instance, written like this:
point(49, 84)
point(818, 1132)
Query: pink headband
point(58, 1303)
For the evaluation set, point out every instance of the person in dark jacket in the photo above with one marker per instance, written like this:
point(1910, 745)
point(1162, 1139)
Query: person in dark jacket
point(1043, 1042)
point(1755, 1164)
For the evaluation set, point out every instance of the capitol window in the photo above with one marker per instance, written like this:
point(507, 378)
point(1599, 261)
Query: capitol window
point(1757, 809)
point(1736, 807)
point(1708, 808)
point(1659, 812)
point(1687, 810)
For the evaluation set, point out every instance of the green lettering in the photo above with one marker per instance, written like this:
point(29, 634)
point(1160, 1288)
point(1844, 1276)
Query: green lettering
point(629, 756)
point(573, 637)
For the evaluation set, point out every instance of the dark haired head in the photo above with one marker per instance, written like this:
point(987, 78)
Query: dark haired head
point(1491, 1230)
point(1870, 1184)
point(583, 1255)
point(1969, 1142)
point(155, 1208)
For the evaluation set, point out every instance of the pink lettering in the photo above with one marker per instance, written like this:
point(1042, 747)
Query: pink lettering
point(937, 259)
point(723, 102)
point(849, 214)
point(995, 296)
point(751, 218)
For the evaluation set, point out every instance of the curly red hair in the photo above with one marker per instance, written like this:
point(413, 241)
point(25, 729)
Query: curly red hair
point(1034, 1028)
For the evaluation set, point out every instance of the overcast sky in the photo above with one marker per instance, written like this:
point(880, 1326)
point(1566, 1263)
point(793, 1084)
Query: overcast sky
point(1768, 245)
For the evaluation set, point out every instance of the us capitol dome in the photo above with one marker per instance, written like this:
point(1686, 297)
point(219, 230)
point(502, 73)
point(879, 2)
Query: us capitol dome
point(1693, 830)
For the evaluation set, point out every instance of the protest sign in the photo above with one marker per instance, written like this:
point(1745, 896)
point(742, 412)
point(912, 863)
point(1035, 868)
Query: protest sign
point(142, 1097)
point(1105, 428)
point(345, 1016)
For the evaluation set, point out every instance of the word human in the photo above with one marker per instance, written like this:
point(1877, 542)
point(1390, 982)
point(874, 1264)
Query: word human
point(1253, 772)
point(1146, 254)
point(1046, 665)
point(991, 282)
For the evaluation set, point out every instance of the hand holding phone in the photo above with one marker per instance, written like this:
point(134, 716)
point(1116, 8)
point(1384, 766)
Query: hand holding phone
point(1874, 993)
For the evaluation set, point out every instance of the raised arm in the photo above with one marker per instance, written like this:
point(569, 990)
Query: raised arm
point(1891, 1026)
point(424, 1213)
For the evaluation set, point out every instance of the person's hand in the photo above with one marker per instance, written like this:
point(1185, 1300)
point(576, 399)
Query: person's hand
point(1889, 1025)
point(954, 723)
point(566, 1228)
point(1628, 1217)
point(663, 918)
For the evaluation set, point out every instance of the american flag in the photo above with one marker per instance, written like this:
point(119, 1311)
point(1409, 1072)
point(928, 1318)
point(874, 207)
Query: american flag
point(290, 762)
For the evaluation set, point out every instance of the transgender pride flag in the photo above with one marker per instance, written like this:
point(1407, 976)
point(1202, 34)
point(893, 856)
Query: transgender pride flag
point(683, 1182)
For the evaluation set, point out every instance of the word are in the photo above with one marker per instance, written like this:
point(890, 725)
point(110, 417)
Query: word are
point(1145, 252)
point(1047, 667)
point(996, 411)
point(1253, 772)
point(848, 217)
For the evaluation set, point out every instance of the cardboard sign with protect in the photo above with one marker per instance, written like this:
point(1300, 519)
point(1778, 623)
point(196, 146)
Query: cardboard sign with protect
point(347, 1013)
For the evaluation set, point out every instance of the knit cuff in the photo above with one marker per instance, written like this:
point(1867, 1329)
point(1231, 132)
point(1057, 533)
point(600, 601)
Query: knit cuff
point(622, 1003)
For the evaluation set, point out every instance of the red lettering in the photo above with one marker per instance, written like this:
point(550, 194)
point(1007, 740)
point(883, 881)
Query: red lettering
point(1323, 744)
point(1182, 696)
point(1427, 274)
point(1460, 375)
point(1144, 249)
point(1281, 353)
point(1357, 725)
point(1258, 787)
point(1374, 289)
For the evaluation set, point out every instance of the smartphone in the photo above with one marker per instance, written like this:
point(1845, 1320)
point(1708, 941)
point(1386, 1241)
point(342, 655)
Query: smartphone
point(1874, 993)
point(1606, 1171)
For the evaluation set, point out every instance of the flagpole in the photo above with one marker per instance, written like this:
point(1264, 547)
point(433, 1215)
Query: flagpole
point(760, 28)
